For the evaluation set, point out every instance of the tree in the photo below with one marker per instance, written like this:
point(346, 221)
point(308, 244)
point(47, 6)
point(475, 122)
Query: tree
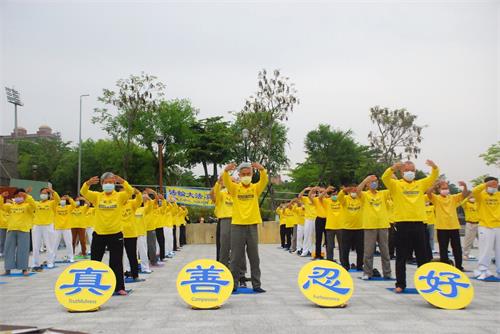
point(396, 135)
point(211, 143)
point(492, 155)
point(136, 97)
point(478, 180)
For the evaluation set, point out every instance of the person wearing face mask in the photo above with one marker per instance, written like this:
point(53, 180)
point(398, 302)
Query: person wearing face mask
point(108, 206)
point(298, 232)
point(142, 246)
point(129, 230)
point(159, 215)
point(309, 219)
point(352, 227)
point(150, 221)
point(320, 222)
point(20, 215)
point(169, 227)
point(333, 226)
point(43, 227)
point(246, 217)
point(447, 224)
point(488, 204)
point(471, 225)
point(375, 222)
point(408, 196)
point(77, 222)
point(224, 213)
point(63, 227)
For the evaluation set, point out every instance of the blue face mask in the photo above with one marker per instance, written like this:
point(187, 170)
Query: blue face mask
point(108, 187)
point(334, 197)
point(374, 185)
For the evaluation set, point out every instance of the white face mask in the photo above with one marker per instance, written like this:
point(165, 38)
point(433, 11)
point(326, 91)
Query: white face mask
point(354, 195)
point(409, 176)
point(44, 197)
point(18, 200)
point(62, 202)
point(108, 187)
point(445, 192)
point(246, 180)
point(491, 190)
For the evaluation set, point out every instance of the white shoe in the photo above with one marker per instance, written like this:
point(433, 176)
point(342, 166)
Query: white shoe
point(365, 278)
point(484, 275)
point(50, 265)
point(71, 261)
point(305, 254)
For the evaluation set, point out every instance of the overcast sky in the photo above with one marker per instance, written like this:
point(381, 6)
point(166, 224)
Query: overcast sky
point(438, 59)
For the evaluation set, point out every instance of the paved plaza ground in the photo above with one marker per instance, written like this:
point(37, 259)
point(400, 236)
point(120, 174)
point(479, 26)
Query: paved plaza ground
point(155, 307)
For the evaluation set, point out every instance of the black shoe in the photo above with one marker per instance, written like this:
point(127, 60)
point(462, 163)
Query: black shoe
point(299, 252)
point(318, 258)
point(259, 290)
point(376, 273)
point(353, 266)
point(127, 274)
point(243, 282)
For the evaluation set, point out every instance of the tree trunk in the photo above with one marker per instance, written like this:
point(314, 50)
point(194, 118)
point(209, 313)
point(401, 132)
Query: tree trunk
point(205, 169)
point(215, 175)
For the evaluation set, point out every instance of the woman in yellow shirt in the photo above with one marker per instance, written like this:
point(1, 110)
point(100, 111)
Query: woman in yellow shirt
point(333, 225)
point(130, 236)
point(89, 226)
point(19, 221)
point(78, 224)
point(108, 222)
point(63, 227)
point(471, 225)
point(141, 215)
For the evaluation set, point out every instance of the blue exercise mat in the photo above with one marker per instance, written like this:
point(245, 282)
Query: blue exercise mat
point(63, 262)
point(407, 291)
point(129, 291)
point(131, 280)
point(377, 279)
point(488, 279)
point(45, 267)
point(355, 270)
point(471, 260)
point(18, 274)
point(3, 282)
point(144, 273)
point(244, 291)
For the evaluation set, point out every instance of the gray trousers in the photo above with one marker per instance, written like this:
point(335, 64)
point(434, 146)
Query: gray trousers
point(293, 247)
point(3, 234)
point(373, 236)
point(225, 241)
point(151, 241)
point(245, 236)
point(330, 242)
point(17, 250)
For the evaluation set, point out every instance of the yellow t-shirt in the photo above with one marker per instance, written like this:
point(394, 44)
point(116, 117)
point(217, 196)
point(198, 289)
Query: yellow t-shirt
point(150, 218)
point(20, 216)
point(223, 202)
point(128, 217)
point(168, 220)
point(289, 217)
point(89, 217)
point(62, 217)
point(333, 214)
point(430, 212)
point(158, 215)
point(470, 210)
point(78, 217)
point(108, 208)
point(320, 210)
point(488, 206)
point(3, 215)
point(409, 197)
point(446, 211)
point(140, 217)
point(310, 208)
point(351, 212)
point(44, 212)
point(246, 209)
point(299, 214)
point(279, 212)
point(374, 209)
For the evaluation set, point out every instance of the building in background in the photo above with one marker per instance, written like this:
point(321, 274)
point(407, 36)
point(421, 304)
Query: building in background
point(8, 162)
point(44, 131)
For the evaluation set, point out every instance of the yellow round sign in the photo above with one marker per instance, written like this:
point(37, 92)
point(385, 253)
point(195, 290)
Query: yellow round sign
point(205, 283)
point(443, 286)
point(85, 286)
point(325, 283)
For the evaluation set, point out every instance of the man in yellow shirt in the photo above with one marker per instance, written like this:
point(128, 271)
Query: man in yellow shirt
point(19, 221)
point(108, 222)
point(63, 228)
point(488, 203)
point(333, 226)
point(471, 225)
point(447, 224)
point(309, 219)
point(43, 227)
point(130, 235)
point(430, 223)
point(246, 217)
point(224, 213)
point(142, 247)
point(78, 224)
point(319, 222)
point(375, 222)
point(352, 227)
point(298, 228)
point(408, 196)
point(282, 221)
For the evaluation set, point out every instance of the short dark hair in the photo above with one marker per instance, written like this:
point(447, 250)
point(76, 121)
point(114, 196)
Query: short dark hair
point(19, 190)
point(490, 178)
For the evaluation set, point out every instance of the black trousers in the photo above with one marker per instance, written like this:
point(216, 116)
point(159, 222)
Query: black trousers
point(174, 231)
point(217, 240)
point(319, 225)
point(282, 235)
point(445, 237)
point(131, 250)
point(428, 249)
point(182, 235)
point(409, 236)
point(114, 242)
point(352, 239)
point(288, 237)
point(161, 241)
point(392, 241)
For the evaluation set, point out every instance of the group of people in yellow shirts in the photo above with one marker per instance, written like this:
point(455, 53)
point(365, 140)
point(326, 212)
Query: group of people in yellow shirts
point(405, 216)
point(118, 217)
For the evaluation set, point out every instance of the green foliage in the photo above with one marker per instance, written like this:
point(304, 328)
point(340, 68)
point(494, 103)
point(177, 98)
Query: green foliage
point(396, 135)
point(492, 155)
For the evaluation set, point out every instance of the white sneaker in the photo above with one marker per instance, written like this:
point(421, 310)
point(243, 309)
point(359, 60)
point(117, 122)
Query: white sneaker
point(71, 260)
point(365, 278)
point(305, 254)
point(50, 265)
point(484, 275)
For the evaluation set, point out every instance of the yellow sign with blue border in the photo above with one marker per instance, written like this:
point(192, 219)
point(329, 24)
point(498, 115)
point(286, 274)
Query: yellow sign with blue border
point(85, 286)
point(325, 283)
point(205, 284)
point(444, 286)
point(191, 196)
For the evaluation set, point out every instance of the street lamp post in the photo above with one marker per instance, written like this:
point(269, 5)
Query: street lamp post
point(245, 133)
point(80, 147)
point(160, 141)
point(14, 98)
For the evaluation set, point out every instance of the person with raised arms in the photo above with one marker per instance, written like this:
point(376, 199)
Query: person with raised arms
point(140, 216)
point(20, 213)
point(150, 221)
point(408, 196)
point(78, 224)
point(108, 205)
point(319, 222)
point(63, 227)
point(375, 222)
point(246, 217)
point(43, 227)
point(224, 213)
point(309, 219)
point(471, 225)
point(129, 230)
point(334, 224)
point(488, 203)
